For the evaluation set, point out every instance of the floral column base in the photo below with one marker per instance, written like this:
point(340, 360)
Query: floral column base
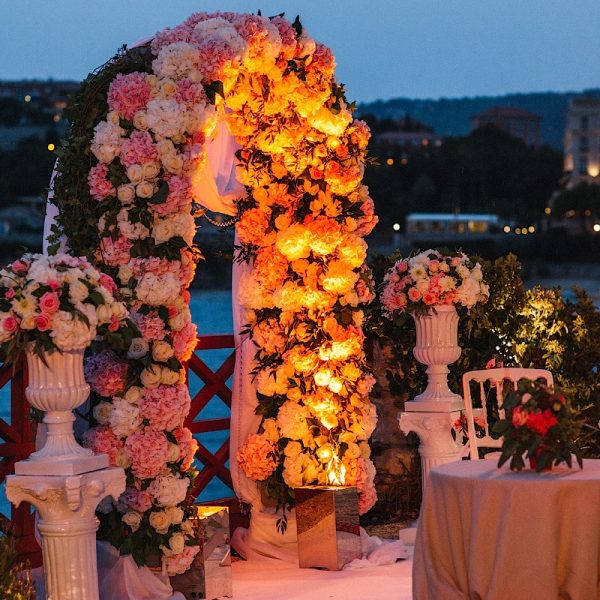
point(67, 525)
point(435, 432)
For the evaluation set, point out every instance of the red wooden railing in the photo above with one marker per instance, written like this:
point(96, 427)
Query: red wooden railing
point(17, 437)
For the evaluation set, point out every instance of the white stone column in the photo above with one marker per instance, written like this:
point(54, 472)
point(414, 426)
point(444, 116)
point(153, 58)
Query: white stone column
point(435, 432)
point(67, 525)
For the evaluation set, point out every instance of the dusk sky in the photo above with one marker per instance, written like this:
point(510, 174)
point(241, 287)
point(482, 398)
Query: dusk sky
point(384, 48)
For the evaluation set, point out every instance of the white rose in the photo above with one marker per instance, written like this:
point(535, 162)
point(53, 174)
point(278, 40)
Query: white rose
point(174, 453)
point(173, 163)
point(165, 148)
point(175, 514)
point(135, 173)
point(139, 347)
point(125, 418)
point(112, 117)
point(169, 490)
point(140, 121)
point(163, 230)
point(145, 189)
point(151, 170)
point(162, 351)
point(168, 377)
point(178, 322)
point(102, 412)
point(187, 527)
point(126, 193)
point(103, 314)
point(133, 519)
point(176, 545)
point(160, 521)
point(150, 377)
point(78, 292)
point(134, 394)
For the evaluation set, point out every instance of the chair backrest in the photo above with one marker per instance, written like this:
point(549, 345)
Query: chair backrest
point(495, 378)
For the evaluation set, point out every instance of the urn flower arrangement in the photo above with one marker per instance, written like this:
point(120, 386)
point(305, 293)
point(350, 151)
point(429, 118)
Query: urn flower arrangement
point(541, 425)
point(429, 286)
point(59, 303)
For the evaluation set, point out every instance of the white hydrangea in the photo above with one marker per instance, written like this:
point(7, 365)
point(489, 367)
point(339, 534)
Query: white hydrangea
point(291, 421)
point(124, 418)
point(158, 291)
point(69, 333)
point(169, 490)
point(176, 61)
point(166, 117)
point(107, 141)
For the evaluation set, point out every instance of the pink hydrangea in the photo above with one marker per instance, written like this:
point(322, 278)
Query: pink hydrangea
point(166, 406)
point(105, 373)
point(134, 499)
point(365, 476)
point(214, 57)
point(288, 37)
point(190, 93)
point(108, 283)
point(138, 149)
point(187, 446)
point(148, 451)
point(115, 252)
point(100, 186)
point(102, 440)
point(179, 196)
point(180, 563)
point(151, 325)
point(184, 342)
point(129, 93)
point(256, 457)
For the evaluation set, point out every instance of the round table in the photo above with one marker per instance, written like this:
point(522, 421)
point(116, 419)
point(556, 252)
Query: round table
point(493, 534)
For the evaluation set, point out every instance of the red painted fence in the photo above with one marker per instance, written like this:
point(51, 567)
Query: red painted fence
point(17, 437)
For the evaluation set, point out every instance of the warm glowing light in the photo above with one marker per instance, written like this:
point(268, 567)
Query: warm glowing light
point(425, 142)
point(597, 227)
point(518, 230)
point(404, 161)
point(27, 98)
point(593, 170)
point(507, 229)
point(588, 213)
point(390, 161)
point(336, 471)
point(51, 147)
point(396, 226)
point(531, 229)
point(56, 118)
point(570, 213)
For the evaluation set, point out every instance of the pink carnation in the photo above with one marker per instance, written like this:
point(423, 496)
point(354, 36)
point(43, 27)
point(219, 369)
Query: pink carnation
point(179, 197)
point(102, 440)
point(166, 406)
point(105, 373)
point(115, 252)
point(138, 149)
point(148, 451)
point(256, 457)
point(100, 186)
point(129, 93)
point(187, 446)
point(180, 563)
point(184, 342)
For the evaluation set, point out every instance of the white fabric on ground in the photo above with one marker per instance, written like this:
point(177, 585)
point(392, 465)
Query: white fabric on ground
point(278, 580)
point(377, 552)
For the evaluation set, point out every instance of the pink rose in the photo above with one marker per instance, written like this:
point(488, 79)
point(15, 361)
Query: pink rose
point(10, 324)
point(10, 293)
point(42, 322)
point(49, 303)
point(19, 265)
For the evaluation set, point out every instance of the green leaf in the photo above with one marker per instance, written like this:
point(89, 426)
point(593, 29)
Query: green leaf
point(161, 194)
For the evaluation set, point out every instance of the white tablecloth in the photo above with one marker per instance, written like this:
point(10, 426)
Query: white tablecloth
point(492, 534)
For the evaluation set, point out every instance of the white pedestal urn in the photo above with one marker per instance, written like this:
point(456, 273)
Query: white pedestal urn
point(57, 386)
point(67, 524)
point(431, 414)
point(437, 347)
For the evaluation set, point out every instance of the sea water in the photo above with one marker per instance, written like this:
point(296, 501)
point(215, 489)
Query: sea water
point(211, 311)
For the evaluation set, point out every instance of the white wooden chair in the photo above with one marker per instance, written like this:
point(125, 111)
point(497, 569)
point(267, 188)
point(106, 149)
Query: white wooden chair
point(495, 378)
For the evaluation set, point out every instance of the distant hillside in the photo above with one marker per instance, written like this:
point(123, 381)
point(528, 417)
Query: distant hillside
point(452, 116)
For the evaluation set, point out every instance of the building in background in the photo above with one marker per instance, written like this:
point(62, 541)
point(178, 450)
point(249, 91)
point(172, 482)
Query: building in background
point(517, 122)
point(582, 142)
point(409, 135)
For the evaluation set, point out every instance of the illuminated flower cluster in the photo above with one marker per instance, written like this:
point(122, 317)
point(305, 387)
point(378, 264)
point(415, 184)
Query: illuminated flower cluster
point(301, 226)
point(432, 279)
point(58, 302)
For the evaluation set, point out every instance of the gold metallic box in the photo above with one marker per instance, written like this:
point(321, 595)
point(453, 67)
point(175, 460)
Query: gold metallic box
point(328, 526)
point(209, 576)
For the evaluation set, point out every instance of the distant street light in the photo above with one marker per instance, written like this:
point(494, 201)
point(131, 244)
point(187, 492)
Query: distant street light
point(51, 147)
point(390, 161)
point(396, 227)
point(507, 229)
point(597, 227)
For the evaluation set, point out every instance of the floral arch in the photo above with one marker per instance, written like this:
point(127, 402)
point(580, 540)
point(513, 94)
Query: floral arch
point(126, 187)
